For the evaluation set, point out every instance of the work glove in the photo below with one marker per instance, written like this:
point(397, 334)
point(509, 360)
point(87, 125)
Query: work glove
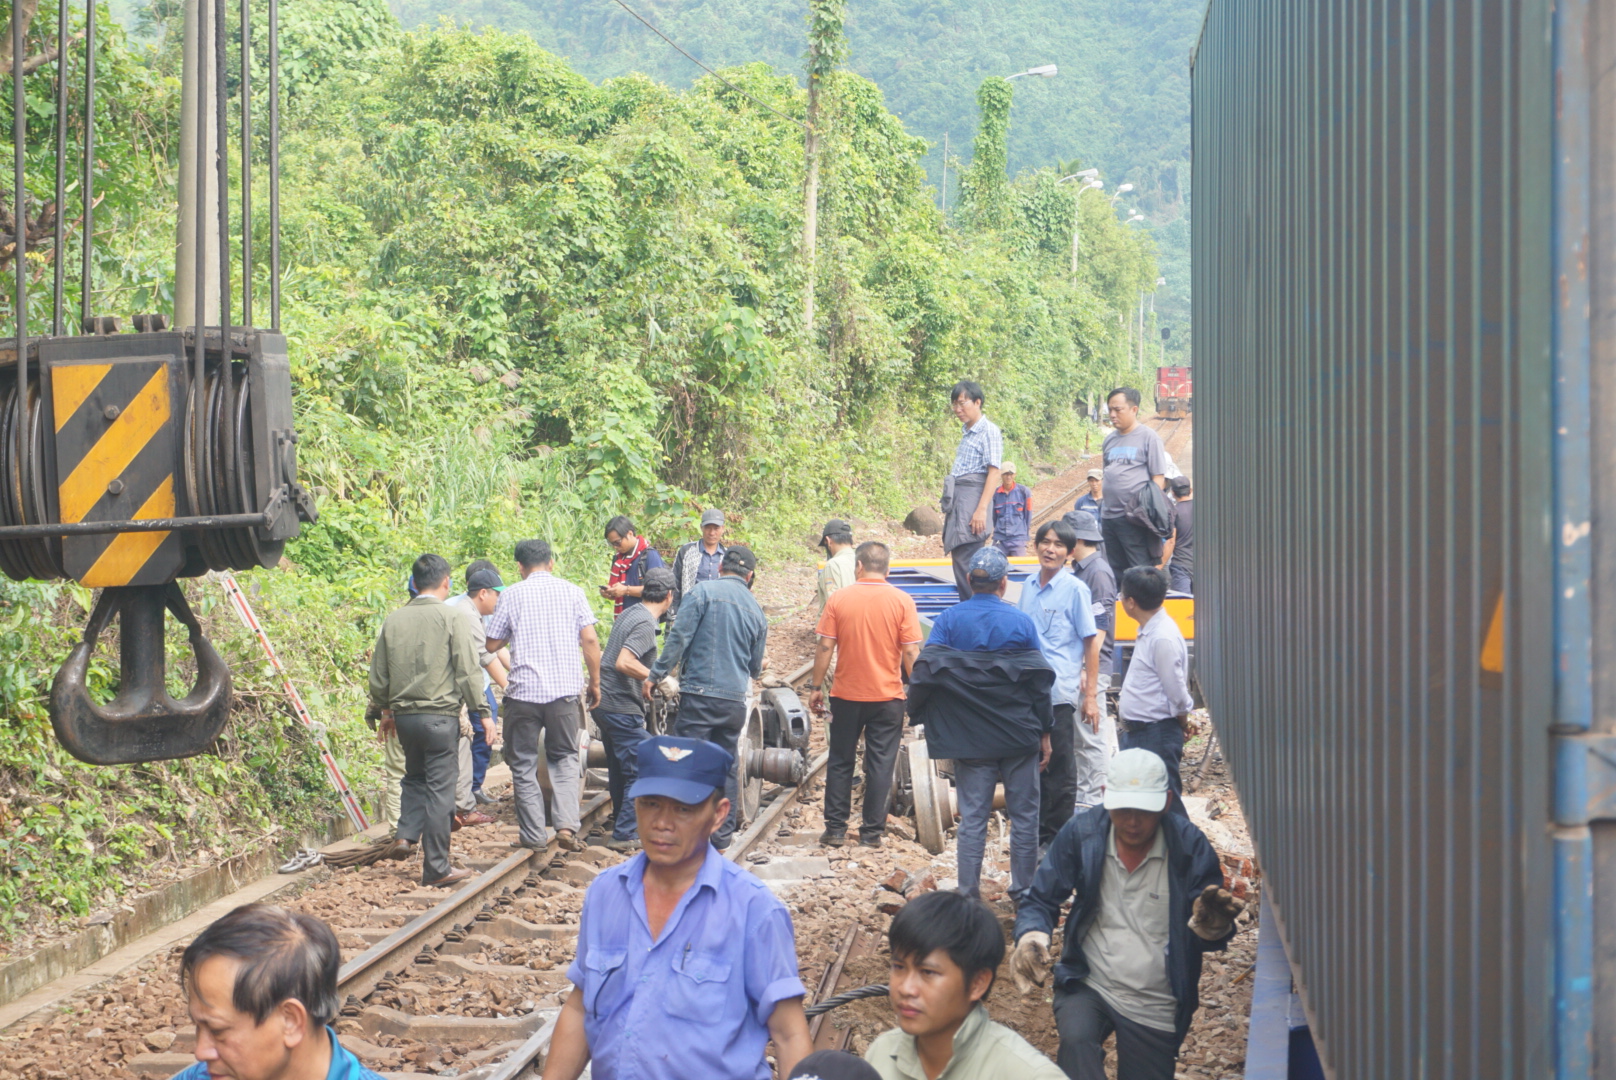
point(1214, 912)
point(1030, 962)
point(669, 686)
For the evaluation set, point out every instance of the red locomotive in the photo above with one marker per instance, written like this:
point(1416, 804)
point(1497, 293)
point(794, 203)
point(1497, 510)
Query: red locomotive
point(1173, 392)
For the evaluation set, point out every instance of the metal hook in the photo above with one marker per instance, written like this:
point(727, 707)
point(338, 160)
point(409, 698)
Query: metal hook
point(143, 723)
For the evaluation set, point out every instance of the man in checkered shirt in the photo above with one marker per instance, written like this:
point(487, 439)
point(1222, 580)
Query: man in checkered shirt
point(549, 626)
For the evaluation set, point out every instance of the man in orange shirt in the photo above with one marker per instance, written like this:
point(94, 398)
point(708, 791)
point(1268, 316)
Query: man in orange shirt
point(874, 630)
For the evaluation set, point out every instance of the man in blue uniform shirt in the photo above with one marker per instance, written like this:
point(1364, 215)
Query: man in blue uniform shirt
point(687, 964)
point(1061, 606)
point(262, 990)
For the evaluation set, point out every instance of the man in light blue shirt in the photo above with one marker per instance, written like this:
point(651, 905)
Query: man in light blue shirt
point(1062, 608)
point(687, 964)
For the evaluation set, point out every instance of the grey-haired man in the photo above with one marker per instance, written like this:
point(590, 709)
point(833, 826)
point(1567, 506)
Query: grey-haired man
point(698, 560)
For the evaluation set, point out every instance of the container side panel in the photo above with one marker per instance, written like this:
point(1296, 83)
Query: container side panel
point(1373, 307)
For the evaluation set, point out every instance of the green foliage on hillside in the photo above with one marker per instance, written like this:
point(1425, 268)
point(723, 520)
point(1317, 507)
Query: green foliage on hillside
point(519, 302)
point(1120, 102)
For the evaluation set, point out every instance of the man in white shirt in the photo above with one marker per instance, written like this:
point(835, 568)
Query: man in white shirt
point(1155, 705)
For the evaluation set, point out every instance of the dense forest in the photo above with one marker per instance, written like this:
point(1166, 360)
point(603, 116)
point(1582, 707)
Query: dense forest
point(518, 302)
point(1120, 101)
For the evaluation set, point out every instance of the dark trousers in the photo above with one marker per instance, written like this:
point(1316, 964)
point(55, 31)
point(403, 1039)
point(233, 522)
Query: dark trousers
point(1084, 1019)
point(1057, 788)
point(431, 745)
point(622, 734)
point(1127, 545)
point(974, 781)
point(962, 556)
point(881, 724)
point(1015, 545)
point(1165, 739)
point(1183, 581)
point(481, 752)
point(718, 721)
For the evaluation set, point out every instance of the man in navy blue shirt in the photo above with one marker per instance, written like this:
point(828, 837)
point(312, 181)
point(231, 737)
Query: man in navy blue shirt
point(982, 689)
point(687, 964)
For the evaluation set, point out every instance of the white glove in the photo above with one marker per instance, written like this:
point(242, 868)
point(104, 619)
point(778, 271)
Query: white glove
point(1030, 962)
point(669, 686)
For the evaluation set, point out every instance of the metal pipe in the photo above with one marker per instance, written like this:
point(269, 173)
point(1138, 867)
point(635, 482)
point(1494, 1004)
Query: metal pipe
point(199, 218)
point(101, 528)
point(88, 183)
point(221, 161)
point(246, 164)
point(274, 165)
point(59, 255)
point(19, 251)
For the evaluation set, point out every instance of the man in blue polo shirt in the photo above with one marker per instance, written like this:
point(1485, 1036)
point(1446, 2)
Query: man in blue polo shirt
point(981, 689)
point(1063, 610)
point(687, 964)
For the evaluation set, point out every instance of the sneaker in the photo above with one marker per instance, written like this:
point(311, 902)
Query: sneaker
point(568, 840)
point(473, 818)
point(453, 877)
point(832, 838)
point(873, 840)
point(483, 797)
point(627, 847)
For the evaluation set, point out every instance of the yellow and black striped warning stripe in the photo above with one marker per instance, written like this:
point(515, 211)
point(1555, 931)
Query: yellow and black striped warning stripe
point(117, 430)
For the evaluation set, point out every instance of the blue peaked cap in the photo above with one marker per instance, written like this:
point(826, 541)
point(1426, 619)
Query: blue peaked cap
point(989, 565)
point(684, 769)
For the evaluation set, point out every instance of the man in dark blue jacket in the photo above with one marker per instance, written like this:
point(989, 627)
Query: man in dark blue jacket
point(1149, 900)
point(981, 688)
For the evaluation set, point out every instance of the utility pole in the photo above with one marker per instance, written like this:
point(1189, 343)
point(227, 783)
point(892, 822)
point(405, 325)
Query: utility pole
point(827, 47)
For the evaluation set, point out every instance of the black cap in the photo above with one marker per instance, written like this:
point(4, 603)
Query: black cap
point(738, 560)
point(484, 578)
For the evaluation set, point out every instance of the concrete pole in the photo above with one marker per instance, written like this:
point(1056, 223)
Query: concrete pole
point(197, 77)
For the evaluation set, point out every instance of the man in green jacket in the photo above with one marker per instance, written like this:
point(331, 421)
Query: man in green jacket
point(423, 669)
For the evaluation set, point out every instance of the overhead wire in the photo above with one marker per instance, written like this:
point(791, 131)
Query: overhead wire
point(760, 104)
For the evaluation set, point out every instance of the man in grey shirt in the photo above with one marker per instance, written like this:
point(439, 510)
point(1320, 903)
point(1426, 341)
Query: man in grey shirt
point(1134, 456)
point(968, 491)
point(625, 665)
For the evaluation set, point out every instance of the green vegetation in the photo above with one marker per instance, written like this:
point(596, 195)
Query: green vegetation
point(1121, 101)
point(519, 302)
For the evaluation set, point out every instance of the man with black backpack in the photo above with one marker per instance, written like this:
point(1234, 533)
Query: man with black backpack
point(632, 558)
point(1133, 519)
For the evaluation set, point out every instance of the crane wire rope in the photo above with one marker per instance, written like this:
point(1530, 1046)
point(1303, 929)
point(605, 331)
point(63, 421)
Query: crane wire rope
point(708, 70)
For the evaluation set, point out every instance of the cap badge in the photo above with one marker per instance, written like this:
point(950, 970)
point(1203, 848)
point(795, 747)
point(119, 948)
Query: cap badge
point(674, 753)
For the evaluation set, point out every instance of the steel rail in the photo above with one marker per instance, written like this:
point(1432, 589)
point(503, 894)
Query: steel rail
point(359, 976)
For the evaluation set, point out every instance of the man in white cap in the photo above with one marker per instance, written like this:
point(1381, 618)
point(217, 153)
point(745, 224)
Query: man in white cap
point(1147, 901)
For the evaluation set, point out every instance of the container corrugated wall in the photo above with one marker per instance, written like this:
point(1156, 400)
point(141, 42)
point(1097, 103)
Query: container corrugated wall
point(1374, 330)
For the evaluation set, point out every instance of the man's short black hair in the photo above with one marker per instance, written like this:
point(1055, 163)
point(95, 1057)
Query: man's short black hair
point(532, 553)
point(1128, 393)
point(965, 928)
point(1062, 532)
point(980, 586)
point(284, 956)
point(873, 556)
point(479, 564)
point(1145, 586)
point(620, 525)
point(429, 572)
point(966, 388)
point(656, 588)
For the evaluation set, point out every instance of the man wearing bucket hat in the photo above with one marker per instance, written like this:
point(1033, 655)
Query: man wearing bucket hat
point(1147, 901)
point(686, 963)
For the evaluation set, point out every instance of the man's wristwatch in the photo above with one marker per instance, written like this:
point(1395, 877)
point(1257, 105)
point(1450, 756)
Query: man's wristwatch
point(810, 687)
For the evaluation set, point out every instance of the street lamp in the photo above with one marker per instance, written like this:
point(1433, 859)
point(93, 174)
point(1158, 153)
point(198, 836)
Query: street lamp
point(1091, 182)
point(1042, 71)
point(1121, 191)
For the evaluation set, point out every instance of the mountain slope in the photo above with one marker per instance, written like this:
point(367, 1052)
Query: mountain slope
point(1120, 102)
